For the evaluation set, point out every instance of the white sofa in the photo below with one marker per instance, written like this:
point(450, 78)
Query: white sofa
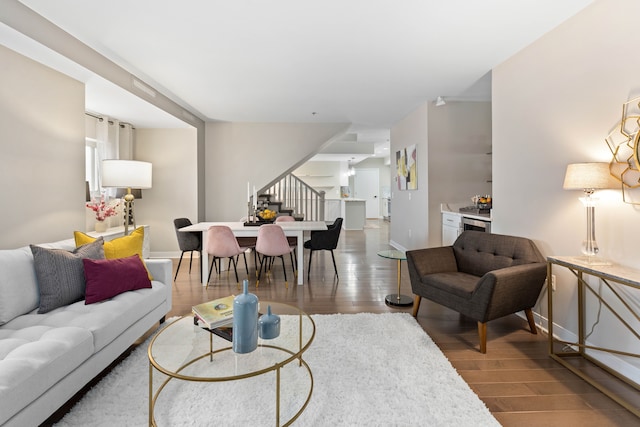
point(45, 359)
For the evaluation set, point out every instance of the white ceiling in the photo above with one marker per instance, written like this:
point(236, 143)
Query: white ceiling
point(365, 62)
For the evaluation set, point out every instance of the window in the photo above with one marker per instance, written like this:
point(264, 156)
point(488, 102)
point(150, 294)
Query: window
point(91, 165)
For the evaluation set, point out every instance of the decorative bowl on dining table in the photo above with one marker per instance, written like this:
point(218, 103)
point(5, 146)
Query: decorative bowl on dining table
point(267, 215)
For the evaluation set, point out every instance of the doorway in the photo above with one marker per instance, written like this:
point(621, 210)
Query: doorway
point(366, 185)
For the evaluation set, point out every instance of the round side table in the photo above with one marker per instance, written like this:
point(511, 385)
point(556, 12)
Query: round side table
point(397, 300)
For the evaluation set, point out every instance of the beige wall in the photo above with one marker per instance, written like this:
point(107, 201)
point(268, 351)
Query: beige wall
point(41, 153)
point(553, 104)
point(237, 153)
point(173, 153)
point(459, 163)
point(409, 208)
point(452, 145)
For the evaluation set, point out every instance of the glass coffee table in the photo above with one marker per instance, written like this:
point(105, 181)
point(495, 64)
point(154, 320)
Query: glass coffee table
point(185, 352)
point(397, 300)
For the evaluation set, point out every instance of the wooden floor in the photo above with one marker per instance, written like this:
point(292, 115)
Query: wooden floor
point(517, 380)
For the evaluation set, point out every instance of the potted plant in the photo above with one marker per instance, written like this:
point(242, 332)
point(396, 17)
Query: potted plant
point(103, 210)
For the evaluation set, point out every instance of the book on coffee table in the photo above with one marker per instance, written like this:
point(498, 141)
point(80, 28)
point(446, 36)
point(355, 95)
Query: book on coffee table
point(225, 332)
point(216, 313)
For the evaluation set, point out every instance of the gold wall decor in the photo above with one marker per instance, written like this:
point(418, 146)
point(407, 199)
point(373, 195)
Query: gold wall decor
point(624, 143)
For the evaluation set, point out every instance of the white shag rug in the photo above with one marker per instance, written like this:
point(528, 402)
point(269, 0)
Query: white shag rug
point(368, 370)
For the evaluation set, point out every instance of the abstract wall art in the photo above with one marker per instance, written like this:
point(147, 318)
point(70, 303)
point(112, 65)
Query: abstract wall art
point(406, 168)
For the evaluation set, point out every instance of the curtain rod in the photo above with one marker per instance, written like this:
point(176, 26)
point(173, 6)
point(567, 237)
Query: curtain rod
point(110, 122)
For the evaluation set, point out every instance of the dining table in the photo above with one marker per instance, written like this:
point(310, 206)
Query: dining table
point(239, 229)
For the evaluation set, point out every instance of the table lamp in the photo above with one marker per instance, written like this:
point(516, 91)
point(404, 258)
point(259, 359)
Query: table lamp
point(127, 174)
point(589, 177)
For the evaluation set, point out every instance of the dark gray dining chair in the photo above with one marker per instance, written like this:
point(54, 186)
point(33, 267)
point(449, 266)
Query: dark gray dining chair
point(188, 242)
point(325, 240)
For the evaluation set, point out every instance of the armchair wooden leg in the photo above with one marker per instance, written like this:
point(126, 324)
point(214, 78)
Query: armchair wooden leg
point(416, 305)
point(532, 322)
point(482, 334)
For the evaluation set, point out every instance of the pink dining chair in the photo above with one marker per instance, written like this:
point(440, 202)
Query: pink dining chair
point(222, 243)
point(285, 218)
point(293, 241)
point(271, 243)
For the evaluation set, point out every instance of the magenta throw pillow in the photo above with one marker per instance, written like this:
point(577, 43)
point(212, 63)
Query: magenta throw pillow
point(106, 278)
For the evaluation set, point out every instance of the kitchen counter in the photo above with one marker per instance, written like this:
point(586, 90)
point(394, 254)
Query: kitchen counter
point(354, 213)
point(455, 209)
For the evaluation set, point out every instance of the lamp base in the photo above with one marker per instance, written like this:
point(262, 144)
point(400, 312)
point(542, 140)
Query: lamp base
point(129, 217)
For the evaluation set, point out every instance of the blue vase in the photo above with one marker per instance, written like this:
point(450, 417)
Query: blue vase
point(245, 321)
point(269, 325)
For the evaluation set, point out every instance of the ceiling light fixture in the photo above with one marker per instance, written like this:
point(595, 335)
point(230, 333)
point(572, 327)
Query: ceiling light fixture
point(440, 101)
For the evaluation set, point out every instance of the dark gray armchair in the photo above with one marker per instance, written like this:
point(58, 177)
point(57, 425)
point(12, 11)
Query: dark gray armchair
point(482, 276)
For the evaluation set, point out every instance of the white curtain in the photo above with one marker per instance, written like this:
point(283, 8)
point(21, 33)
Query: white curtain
point(106, 148)
point(114, 141)
point(125, 141)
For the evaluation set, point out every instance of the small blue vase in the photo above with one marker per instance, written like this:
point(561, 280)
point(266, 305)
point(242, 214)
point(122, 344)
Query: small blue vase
point(245, 321)
point(269, 325)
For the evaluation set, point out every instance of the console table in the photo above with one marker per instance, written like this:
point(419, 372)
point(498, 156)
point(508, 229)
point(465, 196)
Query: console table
point(618, 305)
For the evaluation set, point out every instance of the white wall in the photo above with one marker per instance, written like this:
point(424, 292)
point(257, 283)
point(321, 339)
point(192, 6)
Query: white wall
point(173, 154)
point(553, 104)
point(323, 176)
point(237, 153)
point(41, 153)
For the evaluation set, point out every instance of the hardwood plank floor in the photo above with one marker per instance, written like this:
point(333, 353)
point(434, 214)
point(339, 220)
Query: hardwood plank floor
point(517, 380)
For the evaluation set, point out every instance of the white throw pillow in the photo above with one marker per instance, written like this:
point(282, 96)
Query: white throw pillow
point(18, 284)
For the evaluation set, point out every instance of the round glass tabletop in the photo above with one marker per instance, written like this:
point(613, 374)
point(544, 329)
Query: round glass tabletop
point(393, 254)
point(183, 344)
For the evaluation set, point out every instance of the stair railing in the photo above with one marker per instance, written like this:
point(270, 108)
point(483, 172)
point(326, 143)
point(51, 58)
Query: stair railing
point(297, 195)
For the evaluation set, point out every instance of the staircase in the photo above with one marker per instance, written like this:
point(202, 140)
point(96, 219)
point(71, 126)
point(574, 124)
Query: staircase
point(290, 195)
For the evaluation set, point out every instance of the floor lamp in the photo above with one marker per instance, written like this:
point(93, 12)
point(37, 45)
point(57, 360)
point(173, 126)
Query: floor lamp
point(127, 174)
point(589, 177)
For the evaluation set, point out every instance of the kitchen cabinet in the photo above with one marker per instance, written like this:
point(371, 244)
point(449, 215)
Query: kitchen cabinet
point(451, 227)
point(332, 209)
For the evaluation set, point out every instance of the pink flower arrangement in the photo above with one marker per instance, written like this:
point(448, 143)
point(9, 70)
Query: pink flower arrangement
point(103, 209)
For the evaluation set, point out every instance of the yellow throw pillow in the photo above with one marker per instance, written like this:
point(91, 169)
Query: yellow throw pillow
point(120, 247)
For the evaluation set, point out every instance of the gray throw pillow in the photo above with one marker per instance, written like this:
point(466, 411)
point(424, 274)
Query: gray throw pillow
point(60, 273)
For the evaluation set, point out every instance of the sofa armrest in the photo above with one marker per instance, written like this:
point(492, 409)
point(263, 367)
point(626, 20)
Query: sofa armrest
point(511, 289)
point(432, 260)
point(160, 269)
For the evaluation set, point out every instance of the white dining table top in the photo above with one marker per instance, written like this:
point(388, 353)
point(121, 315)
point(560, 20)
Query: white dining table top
point(240, 227)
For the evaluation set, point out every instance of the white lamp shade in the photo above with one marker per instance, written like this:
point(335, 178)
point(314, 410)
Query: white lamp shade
point(592, 176)
point(126, 173)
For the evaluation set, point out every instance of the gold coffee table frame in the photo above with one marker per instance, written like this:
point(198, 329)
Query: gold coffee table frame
point(288, 356)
